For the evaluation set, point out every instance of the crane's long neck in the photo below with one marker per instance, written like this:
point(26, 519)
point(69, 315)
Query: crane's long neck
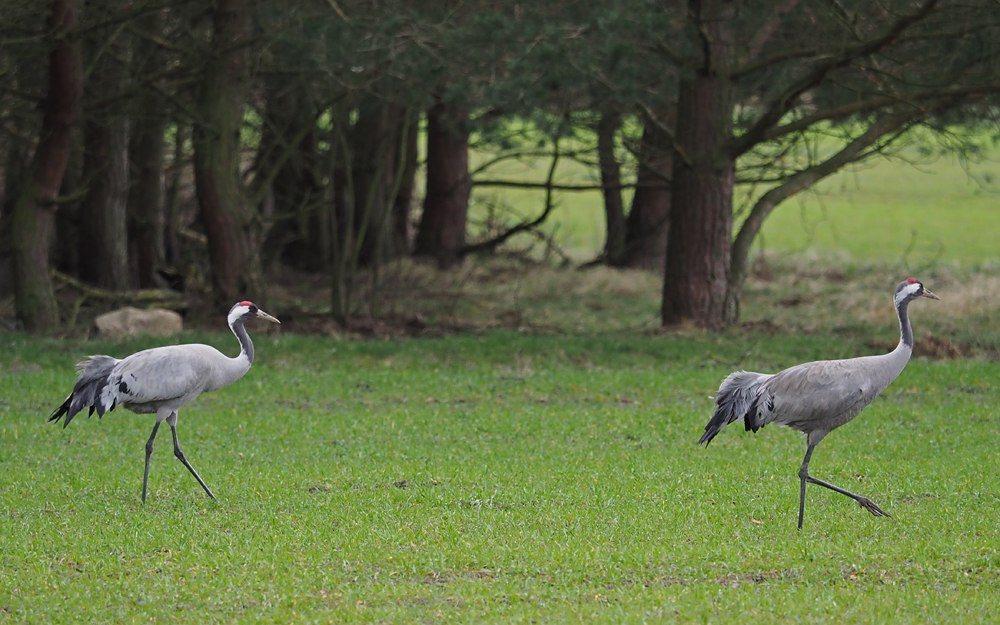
point(885, 368)
point(905, 333)
point(231, 369)
point(246, 353)
point(895, 361)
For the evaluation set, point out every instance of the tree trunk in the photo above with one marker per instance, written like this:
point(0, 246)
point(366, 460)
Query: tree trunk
point(225, 210)
point(402, 235)
point(15, 170)
point(103, 240)
point(34, 210)
point(297, 235)
point(376, 141)
point(446, 203)
point(65, 255)
point(172, 201)
point(648, 221)
point(145, 201)
point(146, 214)
point(698, 244)
point(697, 267)
point(611, 180)
point(340, 219)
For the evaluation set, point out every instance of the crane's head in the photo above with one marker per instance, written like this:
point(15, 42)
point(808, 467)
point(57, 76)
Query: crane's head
point(909, 290)
point(245, 311)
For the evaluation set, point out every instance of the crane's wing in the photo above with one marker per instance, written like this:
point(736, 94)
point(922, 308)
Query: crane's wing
point(159, 374)
point(736, 395)
point(92, 379)
point(811, 392)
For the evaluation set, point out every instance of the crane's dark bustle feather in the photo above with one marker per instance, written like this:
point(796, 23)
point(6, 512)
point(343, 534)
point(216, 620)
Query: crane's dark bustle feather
point(752, 420)
point(737, 398)
point(94, 373)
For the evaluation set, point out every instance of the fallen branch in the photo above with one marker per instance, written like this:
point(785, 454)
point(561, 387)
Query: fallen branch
point(161, 297)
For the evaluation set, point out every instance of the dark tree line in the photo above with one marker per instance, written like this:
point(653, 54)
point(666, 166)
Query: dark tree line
point(298, 123)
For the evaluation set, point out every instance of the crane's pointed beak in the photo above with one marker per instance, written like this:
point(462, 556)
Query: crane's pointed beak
point(263, 315)
point(927, 293)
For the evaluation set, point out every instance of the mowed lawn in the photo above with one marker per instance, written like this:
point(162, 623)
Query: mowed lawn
point(499, 478)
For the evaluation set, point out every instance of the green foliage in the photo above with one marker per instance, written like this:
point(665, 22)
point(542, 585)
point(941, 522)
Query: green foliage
point(496, 478)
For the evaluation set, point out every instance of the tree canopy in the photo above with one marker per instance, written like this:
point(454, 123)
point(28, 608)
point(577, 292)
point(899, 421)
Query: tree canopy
point(299, 122)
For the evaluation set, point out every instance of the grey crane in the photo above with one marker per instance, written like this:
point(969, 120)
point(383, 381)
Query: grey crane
point(816, 397)
point(161, 381)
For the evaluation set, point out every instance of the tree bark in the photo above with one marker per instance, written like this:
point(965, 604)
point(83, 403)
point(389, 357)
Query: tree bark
point(225, 210)
point(146, 214)
point(402, 228)
point(15, 170)
point(65, 253)
point(698, 244)
point(34, 210)
point(376, 141)
point(446, 204)
point(147, 217)
point(648, 222)
point(611, 180)
point(103, 240)
point(172, 201)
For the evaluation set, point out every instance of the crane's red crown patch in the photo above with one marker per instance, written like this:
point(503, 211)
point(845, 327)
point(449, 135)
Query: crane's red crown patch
point(249, 304)
point(910, 280)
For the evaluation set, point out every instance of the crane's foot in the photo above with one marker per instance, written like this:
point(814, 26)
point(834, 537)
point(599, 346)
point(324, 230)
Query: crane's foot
point(871, 506)
point(180, 456)
point(864, 502)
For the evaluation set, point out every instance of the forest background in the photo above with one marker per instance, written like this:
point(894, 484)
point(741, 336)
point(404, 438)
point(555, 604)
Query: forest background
point(209, 152)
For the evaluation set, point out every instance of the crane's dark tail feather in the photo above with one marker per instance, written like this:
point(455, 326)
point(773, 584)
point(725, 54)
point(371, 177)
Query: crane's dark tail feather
point(738, 398)
point(94, 373)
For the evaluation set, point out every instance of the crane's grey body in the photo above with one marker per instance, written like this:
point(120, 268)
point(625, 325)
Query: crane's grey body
point(816, 397)
point(161, 381)
point(167, 378)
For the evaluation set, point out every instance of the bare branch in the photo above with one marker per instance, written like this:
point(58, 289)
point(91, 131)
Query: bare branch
point(769, 27)
point(525, 225)
point(545, 185)
point(784, 102)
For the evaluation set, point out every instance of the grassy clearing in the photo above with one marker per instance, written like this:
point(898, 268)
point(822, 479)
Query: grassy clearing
point(894, 211)
point(539, 467)
point(500, 477)
point(918, 215)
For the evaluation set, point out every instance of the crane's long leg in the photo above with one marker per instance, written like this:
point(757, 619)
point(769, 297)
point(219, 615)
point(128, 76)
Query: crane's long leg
point(149, 452)
point(180, 456)
point(804, 476)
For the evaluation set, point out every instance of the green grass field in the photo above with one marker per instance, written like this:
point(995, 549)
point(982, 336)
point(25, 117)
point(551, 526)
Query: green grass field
point(500, 477)
point(917, 214)
point(546, 472)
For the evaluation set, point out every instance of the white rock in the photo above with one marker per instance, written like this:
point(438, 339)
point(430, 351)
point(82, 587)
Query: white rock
point(131, 321)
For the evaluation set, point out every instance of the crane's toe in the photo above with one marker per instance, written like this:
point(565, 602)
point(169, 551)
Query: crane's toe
point(871, 506)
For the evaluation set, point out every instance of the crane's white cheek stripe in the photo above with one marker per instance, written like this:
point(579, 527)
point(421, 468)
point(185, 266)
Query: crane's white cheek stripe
point(236, 313)
point(907, 291)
